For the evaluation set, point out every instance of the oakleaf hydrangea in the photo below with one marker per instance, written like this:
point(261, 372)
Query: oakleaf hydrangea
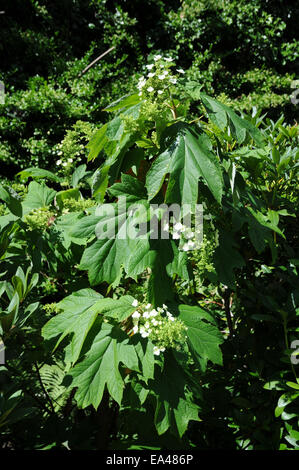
point(160, 326)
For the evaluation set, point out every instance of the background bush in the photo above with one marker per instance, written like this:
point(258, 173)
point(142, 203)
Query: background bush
point(243, 52)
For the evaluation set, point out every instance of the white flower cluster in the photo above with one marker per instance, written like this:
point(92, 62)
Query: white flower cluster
point(65, 163)
point(159, 71)
point(180, 231)
point(155, 323)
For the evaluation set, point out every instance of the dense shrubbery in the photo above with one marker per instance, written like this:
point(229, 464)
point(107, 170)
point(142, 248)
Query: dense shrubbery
point(135, 343)
point(243, 52)
point(117, 342)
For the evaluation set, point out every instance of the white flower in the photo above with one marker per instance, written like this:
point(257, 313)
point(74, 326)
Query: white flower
point(151, 74)
point(154, 322)
point(148, 306)
point(178, 226)
point(162, 349)
point(141, 84)
point(160, 92)
point(145, 334)
point(150, 89)
point(70, 160)
point(157, 57)
point(161, 77)
point(139, 94)
point(168, 59)
point(136, 315)
point(146, 315)
point(189, 235)
point(150, 66)
point(153, 313)
point(58, 162)
point(156, 351)
point(186, 247)
point(180, 70)
point(176, 235)
point(173, 80)
point(135, 303)
point(147, 325)
point(64, 164)
point(135, 329)
point(191, 244)
point(165, 307)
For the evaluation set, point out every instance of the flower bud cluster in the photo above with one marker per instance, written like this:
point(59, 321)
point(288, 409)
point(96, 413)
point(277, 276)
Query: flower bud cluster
point(39, 219)
point(74, 205)
point(162, 328)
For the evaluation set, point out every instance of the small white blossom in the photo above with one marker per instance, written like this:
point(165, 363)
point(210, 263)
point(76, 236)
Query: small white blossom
point(150, 89)
point(161, 77)
point(151, 74)
point(148, 306)
point(145, 334)
point(189, 235)
point(70, 160)
point(157, 351)
point(180, 70)
point(168, 59)
point(173, 80)
point(150, 66)
point(157, 57)
point(136, 315)
point(176, 235)
point(64, 164)
point(146, 315)
point(160, 92)
point(153, 313)
point(135, 303)
point(135, 330)
point(58, 162)
point(178, 226)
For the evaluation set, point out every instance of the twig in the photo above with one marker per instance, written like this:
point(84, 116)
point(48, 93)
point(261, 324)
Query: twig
point(96, 60)
point(227, 306)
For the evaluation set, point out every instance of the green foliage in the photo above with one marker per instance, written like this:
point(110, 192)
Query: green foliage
point(115, 338)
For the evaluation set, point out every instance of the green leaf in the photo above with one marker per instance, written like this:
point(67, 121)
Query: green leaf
point(172, 402)
point(38, 173)
point(61, 196)
point(123, 102)
point(77, 317)
point(39, 195)
point(187, 158)
point(78, 174)
point(120, 309)
point(204, 338)
point(10, 197)
point(227, 259)
point(130, 187)
point(100, 367)
point(224, 117)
